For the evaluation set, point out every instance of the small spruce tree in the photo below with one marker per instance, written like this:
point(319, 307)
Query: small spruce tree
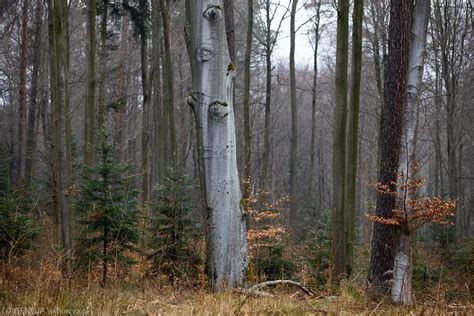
point(108, 210)
point(174, 233)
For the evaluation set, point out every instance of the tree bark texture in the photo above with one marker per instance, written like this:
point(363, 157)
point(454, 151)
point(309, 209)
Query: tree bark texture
point(419, 29)
point(294, 122)
point(247, 132)
point(168, 80)
point(211, 99)
point(33, 102)
point(22, 94)
point(338, 244)
point(353, 132)
point(383, 240)
point(90, 97)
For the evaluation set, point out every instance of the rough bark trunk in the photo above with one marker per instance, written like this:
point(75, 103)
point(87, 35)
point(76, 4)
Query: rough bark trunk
point(338, 244)
point(247, 133)
point(32, 110)
point(294, 122)
point(353, 133)
point(211, 99)
point(383, 240)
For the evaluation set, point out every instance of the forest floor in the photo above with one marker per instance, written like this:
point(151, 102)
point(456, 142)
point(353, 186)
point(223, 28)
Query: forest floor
point(32, 284)
point(154, 301)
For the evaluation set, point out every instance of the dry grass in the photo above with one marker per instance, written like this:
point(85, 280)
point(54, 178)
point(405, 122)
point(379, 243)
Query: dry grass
point(38, 288)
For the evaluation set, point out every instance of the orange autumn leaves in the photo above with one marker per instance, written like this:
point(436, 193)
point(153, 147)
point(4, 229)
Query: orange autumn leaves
point(412, 212)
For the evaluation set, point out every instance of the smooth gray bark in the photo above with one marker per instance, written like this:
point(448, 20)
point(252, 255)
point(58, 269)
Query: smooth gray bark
point(211, 99)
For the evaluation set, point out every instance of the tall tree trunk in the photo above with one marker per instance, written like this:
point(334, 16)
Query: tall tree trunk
point(294, 121)
point(159, 137)
point(56, 13)
point(353, 133)
point(247, 133)
point(268, 99)
point(402, 286)
point(211, 99)
point(120, 95)
point(102, 110)
point(383, 240)
point(415, 72)
point(90, 99)
point(168, 80)
point(146, 133)
point(32, 110)
point(338, 244)
point(314, 91)
point(22, 95)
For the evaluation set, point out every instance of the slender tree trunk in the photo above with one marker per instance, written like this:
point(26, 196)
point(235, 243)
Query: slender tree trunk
point(32, 110)
point(353, 133)
point(313, 103)
point(22, 95)
point(146, 152)
point(211, 99)
point(103, 64)
point(294, 122)
point(90, 99)
point(383, 240)
point(338, 245)
point(247, 133)
point(159, 132)
point(268, 99)
point(168, 80)
point(121, 101)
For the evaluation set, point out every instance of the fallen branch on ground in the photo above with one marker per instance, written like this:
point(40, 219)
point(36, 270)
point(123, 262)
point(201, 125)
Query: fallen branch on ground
point(288, 282)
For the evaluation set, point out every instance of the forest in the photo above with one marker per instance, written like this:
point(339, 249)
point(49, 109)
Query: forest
point(236, 157)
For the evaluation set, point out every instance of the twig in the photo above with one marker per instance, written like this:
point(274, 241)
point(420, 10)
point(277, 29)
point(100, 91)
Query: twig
point(289, 282)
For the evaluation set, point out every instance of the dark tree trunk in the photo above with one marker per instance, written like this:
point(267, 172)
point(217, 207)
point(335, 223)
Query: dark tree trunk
point(32, 110)
point(383, 241)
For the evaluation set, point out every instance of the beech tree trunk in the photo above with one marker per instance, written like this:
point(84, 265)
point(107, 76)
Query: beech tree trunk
point(402, 273)
point(338, 244)
point(168, 80)
point(401, 292)
point(33, 102)
point(103, 53)
point(383, 240)
point(159, 135)
point(353, 133)
point(247, 133)
point(19, 177)
point(294, 122)
point(211, 100)
point(269, 44)
point(90, 99)
point(314, 95)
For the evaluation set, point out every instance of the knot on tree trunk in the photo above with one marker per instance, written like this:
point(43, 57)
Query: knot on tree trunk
point(218, 110)
point(213, 13)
